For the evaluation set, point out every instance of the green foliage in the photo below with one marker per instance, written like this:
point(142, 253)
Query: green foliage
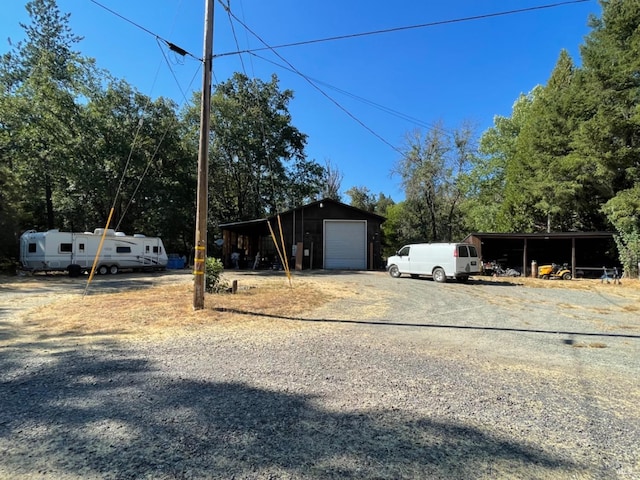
point(362, 198)
point(396, 230)
point(624, 213)
point(332, 182)
point(214, 283)
point(433, 174)
point(566, 159)
point(258, 164)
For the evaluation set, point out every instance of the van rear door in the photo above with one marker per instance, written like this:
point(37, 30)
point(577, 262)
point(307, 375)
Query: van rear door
point(467, 259)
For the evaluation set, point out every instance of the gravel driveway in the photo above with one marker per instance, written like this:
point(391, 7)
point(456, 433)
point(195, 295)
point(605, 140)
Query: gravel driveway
point(406, 379)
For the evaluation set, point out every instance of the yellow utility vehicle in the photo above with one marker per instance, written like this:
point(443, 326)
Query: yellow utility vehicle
point(554, 272)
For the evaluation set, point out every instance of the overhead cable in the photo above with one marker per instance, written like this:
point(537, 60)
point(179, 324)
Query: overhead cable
point(308, 80)
point(409, 27)
point(171, 46)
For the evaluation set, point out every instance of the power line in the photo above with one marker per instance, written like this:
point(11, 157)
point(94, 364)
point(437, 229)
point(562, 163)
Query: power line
point(172, 46)
point(383, 108)
point(409, 27)
point(331, 99)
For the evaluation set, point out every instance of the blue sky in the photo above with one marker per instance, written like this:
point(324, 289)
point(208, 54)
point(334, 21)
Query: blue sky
point(459, 72)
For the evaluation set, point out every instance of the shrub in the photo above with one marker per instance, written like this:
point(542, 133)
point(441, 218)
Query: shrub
point(214, 283)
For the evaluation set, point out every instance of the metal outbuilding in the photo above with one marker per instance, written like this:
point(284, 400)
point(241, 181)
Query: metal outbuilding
point(324, 234)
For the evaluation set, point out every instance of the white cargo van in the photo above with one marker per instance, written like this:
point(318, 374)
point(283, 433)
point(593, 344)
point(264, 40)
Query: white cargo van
point(438, 260)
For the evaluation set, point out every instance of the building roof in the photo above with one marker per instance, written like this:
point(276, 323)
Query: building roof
point(543, 235)
point(318, 203)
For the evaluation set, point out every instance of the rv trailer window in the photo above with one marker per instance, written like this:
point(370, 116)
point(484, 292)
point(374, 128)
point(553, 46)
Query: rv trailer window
point(66, 247)
point(157, 249)
point(146, 248)
point(81, 246)
point(123, 249)
point(462, 251)
point(32, 248)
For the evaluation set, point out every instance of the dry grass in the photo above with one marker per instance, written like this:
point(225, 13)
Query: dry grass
point(168, 310)
point(629, 288)
point(590, 345)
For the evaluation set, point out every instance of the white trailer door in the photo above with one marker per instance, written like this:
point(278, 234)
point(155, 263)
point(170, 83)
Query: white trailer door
point(345, 244)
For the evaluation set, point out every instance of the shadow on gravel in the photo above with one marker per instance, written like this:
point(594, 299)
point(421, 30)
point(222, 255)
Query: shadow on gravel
point(93, 414)
point(382, 323)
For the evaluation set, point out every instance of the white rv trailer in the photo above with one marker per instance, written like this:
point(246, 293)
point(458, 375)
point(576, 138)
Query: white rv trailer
point(75, 252)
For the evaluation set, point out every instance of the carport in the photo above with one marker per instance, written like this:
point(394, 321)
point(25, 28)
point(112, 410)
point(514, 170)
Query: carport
point(585, 252)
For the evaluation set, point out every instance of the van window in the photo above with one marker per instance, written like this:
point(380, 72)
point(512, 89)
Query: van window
point(404, 251)
point(65, 247)
point(472, 251)
point(32, 248)
point(123, 249)
point(462, 251)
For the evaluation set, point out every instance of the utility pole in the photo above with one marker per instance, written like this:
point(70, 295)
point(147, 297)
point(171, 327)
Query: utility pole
point(203, 163)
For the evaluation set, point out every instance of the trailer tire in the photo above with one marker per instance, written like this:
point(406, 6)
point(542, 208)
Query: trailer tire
point(113, 269)
point(102, 270)
point(74, 270)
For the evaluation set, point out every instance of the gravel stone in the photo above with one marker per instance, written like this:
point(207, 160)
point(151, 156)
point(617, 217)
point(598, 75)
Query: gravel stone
point(408, 379)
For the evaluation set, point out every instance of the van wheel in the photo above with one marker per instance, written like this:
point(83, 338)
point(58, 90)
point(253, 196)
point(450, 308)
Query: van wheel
point(113, 269)
point(394, 271)
point(439, 275)
point(102, 269)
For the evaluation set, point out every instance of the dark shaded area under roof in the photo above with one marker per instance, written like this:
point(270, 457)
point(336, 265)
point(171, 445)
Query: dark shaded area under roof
point(585, 252)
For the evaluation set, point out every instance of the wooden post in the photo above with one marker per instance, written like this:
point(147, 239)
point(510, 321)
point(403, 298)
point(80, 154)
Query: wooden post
point(203, 163)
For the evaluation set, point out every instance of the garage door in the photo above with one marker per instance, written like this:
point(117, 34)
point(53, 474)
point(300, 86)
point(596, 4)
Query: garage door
point(345, 244)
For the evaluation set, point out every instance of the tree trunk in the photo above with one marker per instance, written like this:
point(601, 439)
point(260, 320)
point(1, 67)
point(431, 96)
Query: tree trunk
point(49, 201)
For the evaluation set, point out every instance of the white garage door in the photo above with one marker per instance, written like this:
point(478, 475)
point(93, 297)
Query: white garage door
point(345, 244)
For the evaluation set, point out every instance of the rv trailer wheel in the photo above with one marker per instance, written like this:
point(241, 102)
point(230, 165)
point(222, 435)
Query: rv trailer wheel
point(439, 275)
point(394, 271)
point(74, 270)
point(102, 269)
point(113, 269)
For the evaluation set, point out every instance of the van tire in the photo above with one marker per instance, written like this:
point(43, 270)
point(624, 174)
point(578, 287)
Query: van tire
point(439, 275)
point(394, 271)
point(462, 279)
